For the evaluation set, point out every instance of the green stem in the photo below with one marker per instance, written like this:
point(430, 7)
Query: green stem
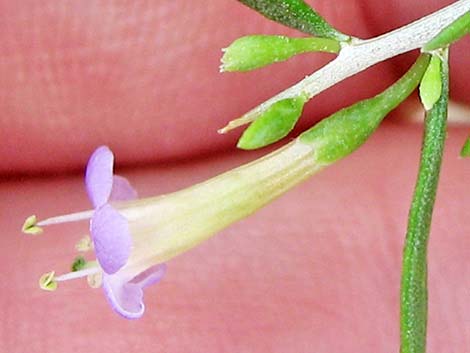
point(413, 296)
point(450, 34)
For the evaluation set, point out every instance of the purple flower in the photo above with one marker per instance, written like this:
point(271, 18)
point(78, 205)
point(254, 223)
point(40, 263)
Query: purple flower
point(133, 238)
point(111, 237)
point(122, 281)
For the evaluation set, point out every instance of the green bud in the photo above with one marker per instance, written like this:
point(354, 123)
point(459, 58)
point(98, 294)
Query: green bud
point(430, 88)
point(273, 124)
point(346, 130)
point(251, 52)
point(465, 151)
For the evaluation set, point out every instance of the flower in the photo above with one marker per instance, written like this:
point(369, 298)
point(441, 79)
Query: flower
point(133, 238)
point(112, 241)
point(111, 237)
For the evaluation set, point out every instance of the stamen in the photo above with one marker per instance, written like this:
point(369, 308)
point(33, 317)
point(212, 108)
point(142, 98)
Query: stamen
point(85, 244)
point(30, 226)
point(78, 274)
point(72, 217)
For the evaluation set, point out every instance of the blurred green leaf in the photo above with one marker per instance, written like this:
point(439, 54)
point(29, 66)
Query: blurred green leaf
point(465, 151)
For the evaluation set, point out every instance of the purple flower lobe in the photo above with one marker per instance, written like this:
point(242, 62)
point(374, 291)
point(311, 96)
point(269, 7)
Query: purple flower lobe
point(99, 176)
point(122, 190)
point(111, 238)
point(126, 298)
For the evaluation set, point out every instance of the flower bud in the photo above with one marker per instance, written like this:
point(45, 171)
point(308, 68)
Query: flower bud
point(251, 52)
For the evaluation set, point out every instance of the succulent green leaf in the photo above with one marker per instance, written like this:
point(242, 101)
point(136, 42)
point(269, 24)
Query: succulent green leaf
point(344, 131)
point(431, 85)
point(251, 52)
point(450, 34)
point(296, 14)
point(465, 151)
point(274, 124)
point(414, 291)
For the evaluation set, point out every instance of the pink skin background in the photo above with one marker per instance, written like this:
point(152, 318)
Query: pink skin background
point(315, 271)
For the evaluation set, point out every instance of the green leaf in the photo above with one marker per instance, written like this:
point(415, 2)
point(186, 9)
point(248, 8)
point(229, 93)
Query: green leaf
point(296, 14)
point(465, 151)
point(431, 85)
point(450, 34)
point(344, 131)
point(274, 124)
point(251, 52)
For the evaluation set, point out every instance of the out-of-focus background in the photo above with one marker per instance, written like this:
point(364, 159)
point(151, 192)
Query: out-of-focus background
point(317, 270)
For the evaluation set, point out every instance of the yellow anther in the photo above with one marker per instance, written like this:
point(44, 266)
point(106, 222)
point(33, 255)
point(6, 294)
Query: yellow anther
point(48, 282)
point(30, 227)
point(95, 280)
point(85, 244)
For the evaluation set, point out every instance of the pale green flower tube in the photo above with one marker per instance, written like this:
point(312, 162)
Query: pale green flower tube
point(166, 226)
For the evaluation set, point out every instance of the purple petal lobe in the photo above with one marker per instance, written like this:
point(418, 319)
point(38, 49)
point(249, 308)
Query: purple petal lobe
point(122, 190)
point(125, 298)
point(150, 276)
point(99, 176)
point(111, 238)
